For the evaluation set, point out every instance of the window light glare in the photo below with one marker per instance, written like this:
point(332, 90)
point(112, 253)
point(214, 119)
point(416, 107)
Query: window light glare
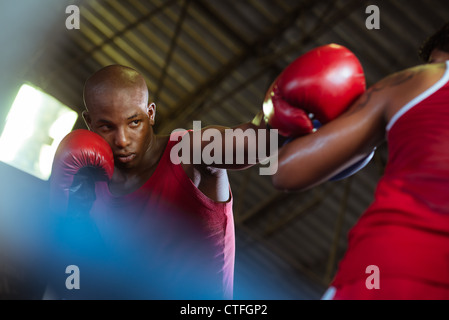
point(35, 125)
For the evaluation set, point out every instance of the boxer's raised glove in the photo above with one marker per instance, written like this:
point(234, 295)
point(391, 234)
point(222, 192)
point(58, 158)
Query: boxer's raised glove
point(82, 158)
point(319, 85)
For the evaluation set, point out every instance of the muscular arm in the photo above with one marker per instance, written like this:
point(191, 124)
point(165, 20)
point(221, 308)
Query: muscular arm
point(313, 159)
point(214, 149)
point(233, 148)
point(336, 145)
point(322, 83)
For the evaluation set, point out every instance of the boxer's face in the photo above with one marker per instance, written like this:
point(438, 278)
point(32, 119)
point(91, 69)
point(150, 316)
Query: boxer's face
point(124, 119)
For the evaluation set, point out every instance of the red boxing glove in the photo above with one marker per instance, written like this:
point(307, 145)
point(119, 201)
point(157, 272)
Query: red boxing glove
point(82, 158)
point(319, 85)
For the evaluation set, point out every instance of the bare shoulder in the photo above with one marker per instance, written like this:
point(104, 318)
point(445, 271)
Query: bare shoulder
point(393, 91)
point(405, 85)
point(412, 74)
point(212, 182)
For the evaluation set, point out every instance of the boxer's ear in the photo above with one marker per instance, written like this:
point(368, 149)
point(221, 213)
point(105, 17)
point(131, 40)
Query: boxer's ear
point(151, 111)
point(87, 119)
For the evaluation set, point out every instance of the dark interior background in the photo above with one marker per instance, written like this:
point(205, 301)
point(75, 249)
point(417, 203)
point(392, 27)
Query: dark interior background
point(212, 60)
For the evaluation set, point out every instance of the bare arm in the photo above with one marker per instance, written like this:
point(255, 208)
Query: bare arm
point(313, 159)
point(214, 149)
point(233, 148)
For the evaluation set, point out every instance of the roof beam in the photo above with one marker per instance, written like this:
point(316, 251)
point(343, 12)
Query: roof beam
point(179, 23)
point(194, 102)
point(197, 97)
point(118, 34)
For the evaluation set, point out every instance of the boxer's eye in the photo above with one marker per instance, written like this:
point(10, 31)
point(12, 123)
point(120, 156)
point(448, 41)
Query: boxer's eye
point(135, 123)
point(105, 127)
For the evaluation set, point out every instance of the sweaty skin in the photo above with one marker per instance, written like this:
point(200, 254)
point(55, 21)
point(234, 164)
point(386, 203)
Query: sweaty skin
point(318, 156)
point(118, 109)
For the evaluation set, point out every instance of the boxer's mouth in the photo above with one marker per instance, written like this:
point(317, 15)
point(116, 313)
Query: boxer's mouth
point(125, 158)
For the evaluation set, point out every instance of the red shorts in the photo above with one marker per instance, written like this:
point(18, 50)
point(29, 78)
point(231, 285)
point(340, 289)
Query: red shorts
point(390, 289)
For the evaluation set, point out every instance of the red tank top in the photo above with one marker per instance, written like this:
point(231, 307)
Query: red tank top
point(187, 238)
point(405, 231)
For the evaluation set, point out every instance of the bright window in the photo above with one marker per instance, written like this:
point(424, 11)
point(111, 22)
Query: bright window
point(35, 125)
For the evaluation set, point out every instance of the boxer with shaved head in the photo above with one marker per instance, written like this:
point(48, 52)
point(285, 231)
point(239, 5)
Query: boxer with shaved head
point(177, 215)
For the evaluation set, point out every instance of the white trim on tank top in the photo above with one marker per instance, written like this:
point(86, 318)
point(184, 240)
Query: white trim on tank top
point(423, 95)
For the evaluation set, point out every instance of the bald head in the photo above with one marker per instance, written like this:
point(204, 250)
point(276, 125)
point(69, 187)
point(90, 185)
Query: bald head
point(116, 95)
point(113, 78)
